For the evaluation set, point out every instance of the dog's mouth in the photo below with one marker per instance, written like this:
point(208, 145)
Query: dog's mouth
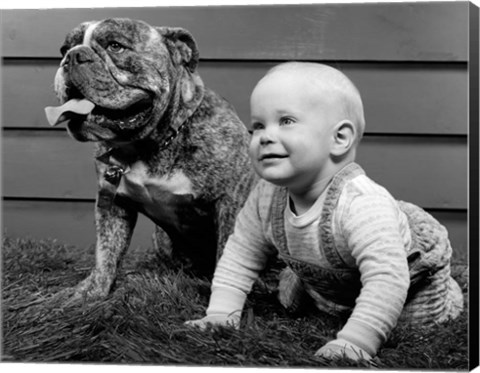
point(134, 116)
point(80, 109)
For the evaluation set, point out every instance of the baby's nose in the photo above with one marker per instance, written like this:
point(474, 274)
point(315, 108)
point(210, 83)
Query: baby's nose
point(265, 139)
point(268, 135)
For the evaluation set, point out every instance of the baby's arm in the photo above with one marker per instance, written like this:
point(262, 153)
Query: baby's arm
point(372, 231)
point(244, 256)
point(237, 270)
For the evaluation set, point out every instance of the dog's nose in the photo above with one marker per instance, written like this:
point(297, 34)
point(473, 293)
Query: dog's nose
point(77, 57)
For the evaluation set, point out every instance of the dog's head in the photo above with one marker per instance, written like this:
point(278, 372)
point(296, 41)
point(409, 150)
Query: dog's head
point(119, 79)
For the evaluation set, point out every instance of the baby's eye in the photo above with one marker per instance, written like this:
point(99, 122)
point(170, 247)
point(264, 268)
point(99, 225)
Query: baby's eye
point(285, 121)
point(256, 126)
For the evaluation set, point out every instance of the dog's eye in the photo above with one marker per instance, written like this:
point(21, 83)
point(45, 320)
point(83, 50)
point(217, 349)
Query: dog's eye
point(115, 47)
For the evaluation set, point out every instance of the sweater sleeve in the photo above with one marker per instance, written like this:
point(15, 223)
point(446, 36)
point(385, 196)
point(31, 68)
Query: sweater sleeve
point(245, 253)
point(371, 230)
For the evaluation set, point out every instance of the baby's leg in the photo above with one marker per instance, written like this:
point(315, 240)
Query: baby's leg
point(440, 300)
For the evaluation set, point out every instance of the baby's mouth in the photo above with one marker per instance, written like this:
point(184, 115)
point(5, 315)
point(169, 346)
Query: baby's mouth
point(271, 156)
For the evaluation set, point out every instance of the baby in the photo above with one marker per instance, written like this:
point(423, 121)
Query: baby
point(346, 241)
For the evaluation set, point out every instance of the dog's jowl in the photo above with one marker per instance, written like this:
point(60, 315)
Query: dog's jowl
point(166, 146)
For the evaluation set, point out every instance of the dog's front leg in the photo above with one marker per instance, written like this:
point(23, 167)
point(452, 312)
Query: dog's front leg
point(114, 226)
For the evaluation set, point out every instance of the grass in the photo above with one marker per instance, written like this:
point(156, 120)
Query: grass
point(142, 320)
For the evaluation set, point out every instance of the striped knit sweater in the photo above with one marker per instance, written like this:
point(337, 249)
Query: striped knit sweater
point(370, 233)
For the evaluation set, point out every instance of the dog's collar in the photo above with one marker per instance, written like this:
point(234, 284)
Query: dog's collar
point(112, 158)
point(123, 151)
point(172, 133)
point(113, 175)
point(116, 169)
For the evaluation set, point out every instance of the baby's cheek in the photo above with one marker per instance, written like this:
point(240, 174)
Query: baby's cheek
point(252, 148)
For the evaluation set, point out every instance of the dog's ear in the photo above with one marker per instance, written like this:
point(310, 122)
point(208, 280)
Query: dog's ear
point(184, 46)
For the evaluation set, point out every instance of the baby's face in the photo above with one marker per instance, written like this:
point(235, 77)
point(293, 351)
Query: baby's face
point(292, 122)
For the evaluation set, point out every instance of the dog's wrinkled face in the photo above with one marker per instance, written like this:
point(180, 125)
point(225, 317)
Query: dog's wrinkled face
point(126, 70)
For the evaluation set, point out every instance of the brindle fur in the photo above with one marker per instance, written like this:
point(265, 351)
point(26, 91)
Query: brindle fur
point(209, 151)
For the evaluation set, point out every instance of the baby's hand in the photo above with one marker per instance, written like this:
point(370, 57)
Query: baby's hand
point(341, 348)
point(232, 320)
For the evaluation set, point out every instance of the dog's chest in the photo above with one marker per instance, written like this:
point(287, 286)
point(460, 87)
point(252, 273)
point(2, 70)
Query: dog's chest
point(142, 187)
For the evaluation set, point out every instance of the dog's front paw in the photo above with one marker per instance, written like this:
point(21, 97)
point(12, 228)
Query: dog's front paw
point(95, 287)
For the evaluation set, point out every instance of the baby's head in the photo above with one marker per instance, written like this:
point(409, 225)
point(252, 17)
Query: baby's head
point(327, 83)
point(306, 116)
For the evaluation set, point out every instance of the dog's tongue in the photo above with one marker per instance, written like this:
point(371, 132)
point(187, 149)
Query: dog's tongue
point(59, 114)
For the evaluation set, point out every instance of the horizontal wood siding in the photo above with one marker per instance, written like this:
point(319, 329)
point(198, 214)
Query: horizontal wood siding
point(365, 32)
point(384, 87)
point(409, 60)
point(63, 220)
point(49, 164)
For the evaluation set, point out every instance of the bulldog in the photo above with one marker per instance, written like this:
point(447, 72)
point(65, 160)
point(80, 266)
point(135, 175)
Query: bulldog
point(165, 145)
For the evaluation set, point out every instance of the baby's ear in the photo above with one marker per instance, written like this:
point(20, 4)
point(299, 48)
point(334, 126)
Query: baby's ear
point(344, 135)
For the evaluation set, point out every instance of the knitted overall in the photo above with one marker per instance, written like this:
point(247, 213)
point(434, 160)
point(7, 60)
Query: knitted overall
point(433, 295)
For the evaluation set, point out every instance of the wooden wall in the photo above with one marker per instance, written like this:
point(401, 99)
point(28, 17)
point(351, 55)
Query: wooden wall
point(409, 60)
